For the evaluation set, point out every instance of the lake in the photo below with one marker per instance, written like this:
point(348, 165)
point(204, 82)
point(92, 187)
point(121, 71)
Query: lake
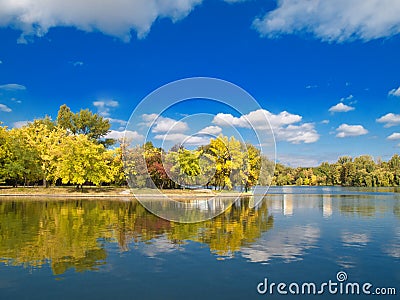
point(111, 249)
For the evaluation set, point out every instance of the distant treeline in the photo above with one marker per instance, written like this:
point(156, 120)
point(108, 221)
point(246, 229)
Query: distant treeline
point(73, 150)
point(360, 171)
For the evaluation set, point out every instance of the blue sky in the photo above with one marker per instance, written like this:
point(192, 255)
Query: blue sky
point(336, 78)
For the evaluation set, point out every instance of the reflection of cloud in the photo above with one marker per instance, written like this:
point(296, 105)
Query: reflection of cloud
point(346, 262)
point(393, 249)
point(354, 239)
point(157, 246)
point(288, 244)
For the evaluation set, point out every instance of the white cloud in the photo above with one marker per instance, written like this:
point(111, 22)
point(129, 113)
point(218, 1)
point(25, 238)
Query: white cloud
point(112, 17)
point(211, 130)
point(394, 136)
point(395, 92)
point(20, 124)
point(12, 87)
point(77, 63)
point(311, 86)
point(104, 106)
point(282, 125)
point(333, 21)
point(5, 108)
point(202, 137)
point(295, 161)
point(346, 130)
point(296, 134)
point(163, 124)
point(346, 98)
point(325, 121)
point(340, 107)
point(389, 119)
point(180, 138)
point(117, 121)
point(129, 135)
point(16, 100)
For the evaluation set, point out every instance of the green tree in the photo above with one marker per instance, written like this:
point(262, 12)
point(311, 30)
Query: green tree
point(46, 140)
point(84, 122)
point(82, 161)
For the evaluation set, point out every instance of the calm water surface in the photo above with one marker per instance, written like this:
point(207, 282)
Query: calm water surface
point(108, 249)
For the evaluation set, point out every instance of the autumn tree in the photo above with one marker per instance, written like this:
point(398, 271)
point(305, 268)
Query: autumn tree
point(84, 122)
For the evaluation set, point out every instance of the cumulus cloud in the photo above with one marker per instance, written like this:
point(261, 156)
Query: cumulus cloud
point(12, 87)
point(129, 135)
point(346, 130)
point(163, 124)
point(202, 137)
point(183, 139)
point(332, 21)
point(5, 108)
point(395, 92)
point(104, 106)
point(394, 136)
point(20, 124)
point(340, 107)
point(117, 121)
point(112, 17)
point(282, 124)
point(211, 130)
point(389, 119)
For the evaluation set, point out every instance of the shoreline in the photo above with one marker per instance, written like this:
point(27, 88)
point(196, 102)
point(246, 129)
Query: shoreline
point(115, 193)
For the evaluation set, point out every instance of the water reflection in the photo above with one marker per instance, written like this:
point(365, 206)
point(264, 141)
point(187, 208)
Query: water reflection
point(288, 244)
point(351, 239)
point(79, 234)
point(73, 234)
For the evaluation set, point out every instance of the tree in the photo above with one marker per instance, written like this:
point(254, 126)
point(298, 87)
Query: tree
point(84, 122)
point(22, 162)
point(228, 157)
point(47, 140)
point(82, 161)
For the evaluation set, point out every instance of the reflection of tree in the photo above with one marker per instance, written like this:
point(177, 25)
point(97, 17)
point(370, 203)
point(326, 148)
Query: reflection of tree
point(72, 234)
point(396, 210)
point(228, 232)
point(361, 207)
